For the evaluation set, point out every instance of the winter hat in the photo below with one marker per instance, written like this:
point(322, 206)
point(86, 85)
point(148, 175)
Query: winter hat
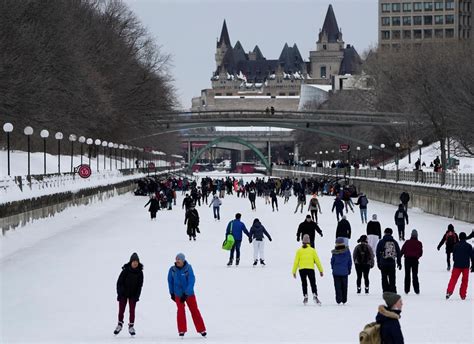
point(339, 241)
point(256, 221)
point(306, 239)
point(363, 238)
point(308, 216)
point(388, 231)
point(344, 217)
point(414, 233)
point(450, 227)
point(391, 298)
point(181, 257)
point(374, 217)
point(462, 236)
point(134, 256)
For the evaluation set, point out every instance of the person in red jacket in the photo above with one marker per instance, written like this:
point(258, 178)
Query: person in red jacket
point(412, 250)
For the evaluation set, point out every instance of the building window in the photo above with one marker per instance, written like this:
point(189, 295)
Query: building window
point(428, 20)
point(396, 7)
point(385, 21)
point(323, 72)
point(439, 6)
point(406, 34)
point(395, 21)
point(218, 94)
point(428, 6)
point(228, 94)
point(428, 33)
point(292, 94)
point(385, 34)
point(417, 34)
point(449, 33)
point(385, 8)
point(324, 46)
point(407, 7)
point(282, 94)
point(439, 20)
point(407, 20)
point(417, 6)
point(417, 20)
point(449, 19)
point(396, 34)
point(269, 94)
point(450, 4)
point(439, 33)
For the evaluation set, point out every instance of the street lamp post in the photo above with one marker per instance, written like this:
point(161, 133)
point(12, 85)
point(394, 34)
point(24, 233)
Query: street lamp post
point(81, 140)
point(420, 143)
point(104, 144)
point(97, 143)
point(370, 154)
point(121, 155)
point(358, 153)
point(59, 136)
point(8, 128)
point(89, 142)
point(383, 155)
point(111, 146)
point(28, 131)
point(397, 145)
point(44, 135)
point(72, 138)
point(116, 145)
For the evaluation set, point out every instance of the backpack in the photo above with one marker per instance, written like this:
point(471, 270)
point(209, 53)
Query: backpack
point(370, 334)
point(389, 250)
point(363, 201)
point(364, 254)
point(400, 215)
point(314, 202)
point(450, 239)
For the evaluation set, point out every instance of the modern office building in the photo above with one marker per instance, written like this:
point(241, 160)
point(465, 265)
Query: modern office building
point(412, 22)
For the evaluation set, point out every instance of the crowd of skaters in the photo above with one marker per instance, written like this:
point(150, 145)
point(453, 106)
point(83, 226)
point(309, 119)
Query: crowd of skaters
point(372, 248)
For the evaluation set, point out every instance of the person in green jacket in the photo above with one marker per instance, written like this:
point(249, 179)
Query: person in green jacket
point(305, 259)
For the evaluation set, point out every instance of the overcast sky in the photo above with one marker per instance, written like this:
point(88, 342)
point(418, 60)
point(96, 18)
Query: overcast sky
point(188, 30)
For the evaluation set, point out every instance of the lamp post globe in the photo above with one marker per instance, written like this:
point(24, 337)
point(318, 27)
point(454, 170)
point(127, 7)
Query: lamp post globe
point(28, 131)
point(44, 134)
point(8, 127)
point(89, 141)
point(82, 139)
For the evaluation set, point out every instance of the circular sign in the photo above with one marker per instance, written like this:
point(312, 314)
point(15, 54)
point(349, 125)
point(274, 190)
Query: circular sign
point(84, 171)
point(151, 166)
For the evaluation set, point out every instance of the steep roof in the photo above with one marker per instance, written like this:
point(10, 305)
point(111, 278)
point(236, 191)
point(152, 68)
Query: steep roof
point(291, 58)
point(351, 62)
point(224, 36)
point(239, 52)
point(330, 26)
point(258, 53)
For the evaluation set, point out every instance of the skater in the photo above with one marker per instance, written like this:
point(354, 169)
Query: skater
point(341, 264)
point(216, 206)
point(346, 197)
point(313, 207)
point(450, 238)
point(400, 217)
point(339, 206)
point(257, 231)
point(362, 202)
point(308, 226)
point(192, 220)
point(273, 196)
point(252, 197)
point(363, 261)
point(344, 230)
point(236, 227)
point(387, 317)
point(301, 202)
point(374, 232)
point(388, 255)
point(154, 207)
point(412, 250)
point(305, 259)
point(463, 256)
point(287, 194)
point(405, 198)
point(181, 287)
point(129, 288)
point(187, 202)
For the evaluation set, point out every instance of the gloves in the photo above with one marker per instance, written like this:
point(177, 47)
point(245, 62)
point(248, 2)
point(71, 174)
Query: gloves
point(172, 297)
point(250, 240)
point(321, 235)
point(297, 238)
point(270, 239)
point(472, 268)
point(183, 298)
point(438, 248)
point(399, 266)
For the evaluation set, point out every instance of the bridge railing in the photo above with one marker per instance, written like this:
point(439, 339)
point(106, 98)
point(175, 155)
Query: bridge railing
point(453, 180)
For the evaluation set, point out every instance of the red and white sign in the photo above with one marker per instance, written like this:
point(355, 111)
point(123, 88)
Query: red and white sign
point(151, 166)
point(147, 149)
point(344, 147)
point(84, 171)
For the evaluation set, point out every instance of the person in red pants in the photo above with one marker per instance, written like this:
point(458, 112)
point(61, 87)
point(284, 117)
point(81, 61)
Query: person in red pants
point(463, 256)
point(181, 287)
point(129, 288)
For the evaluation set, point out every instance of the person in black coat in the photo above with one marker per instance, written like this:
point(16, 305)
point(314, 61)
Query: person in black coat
point(154, 206)
point(388, 256)
point(400, 217)
point(187, 201)
point(192, 219)
point(274, 198)
point(450, 238)
point(339, 206)
point(129, 288)
point(252, 197)
point(308, 226)
point(388, 317)
point(344, 230)
point(405, 198)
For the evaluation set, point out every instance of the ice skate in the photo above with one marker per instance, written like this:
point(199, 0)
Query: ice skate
point(262, 262)
point(131, 330)
point(118, 328)
point(316, 299)
point(255, 262)
point(305, 300)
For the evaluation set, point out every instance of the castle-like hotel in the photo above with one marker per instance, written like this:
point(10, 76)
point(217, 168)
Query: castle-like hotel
point(250, 81)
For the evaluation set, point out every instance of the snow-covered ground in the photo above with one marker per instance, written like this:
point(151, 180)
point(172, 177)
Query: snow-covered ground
point(58, 279)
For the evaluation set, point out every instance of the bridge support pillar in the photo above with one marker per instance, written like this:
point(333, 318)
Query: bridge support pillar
point(297, 153)
point(242, 155)
point(269, 153)
point(189, 153)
